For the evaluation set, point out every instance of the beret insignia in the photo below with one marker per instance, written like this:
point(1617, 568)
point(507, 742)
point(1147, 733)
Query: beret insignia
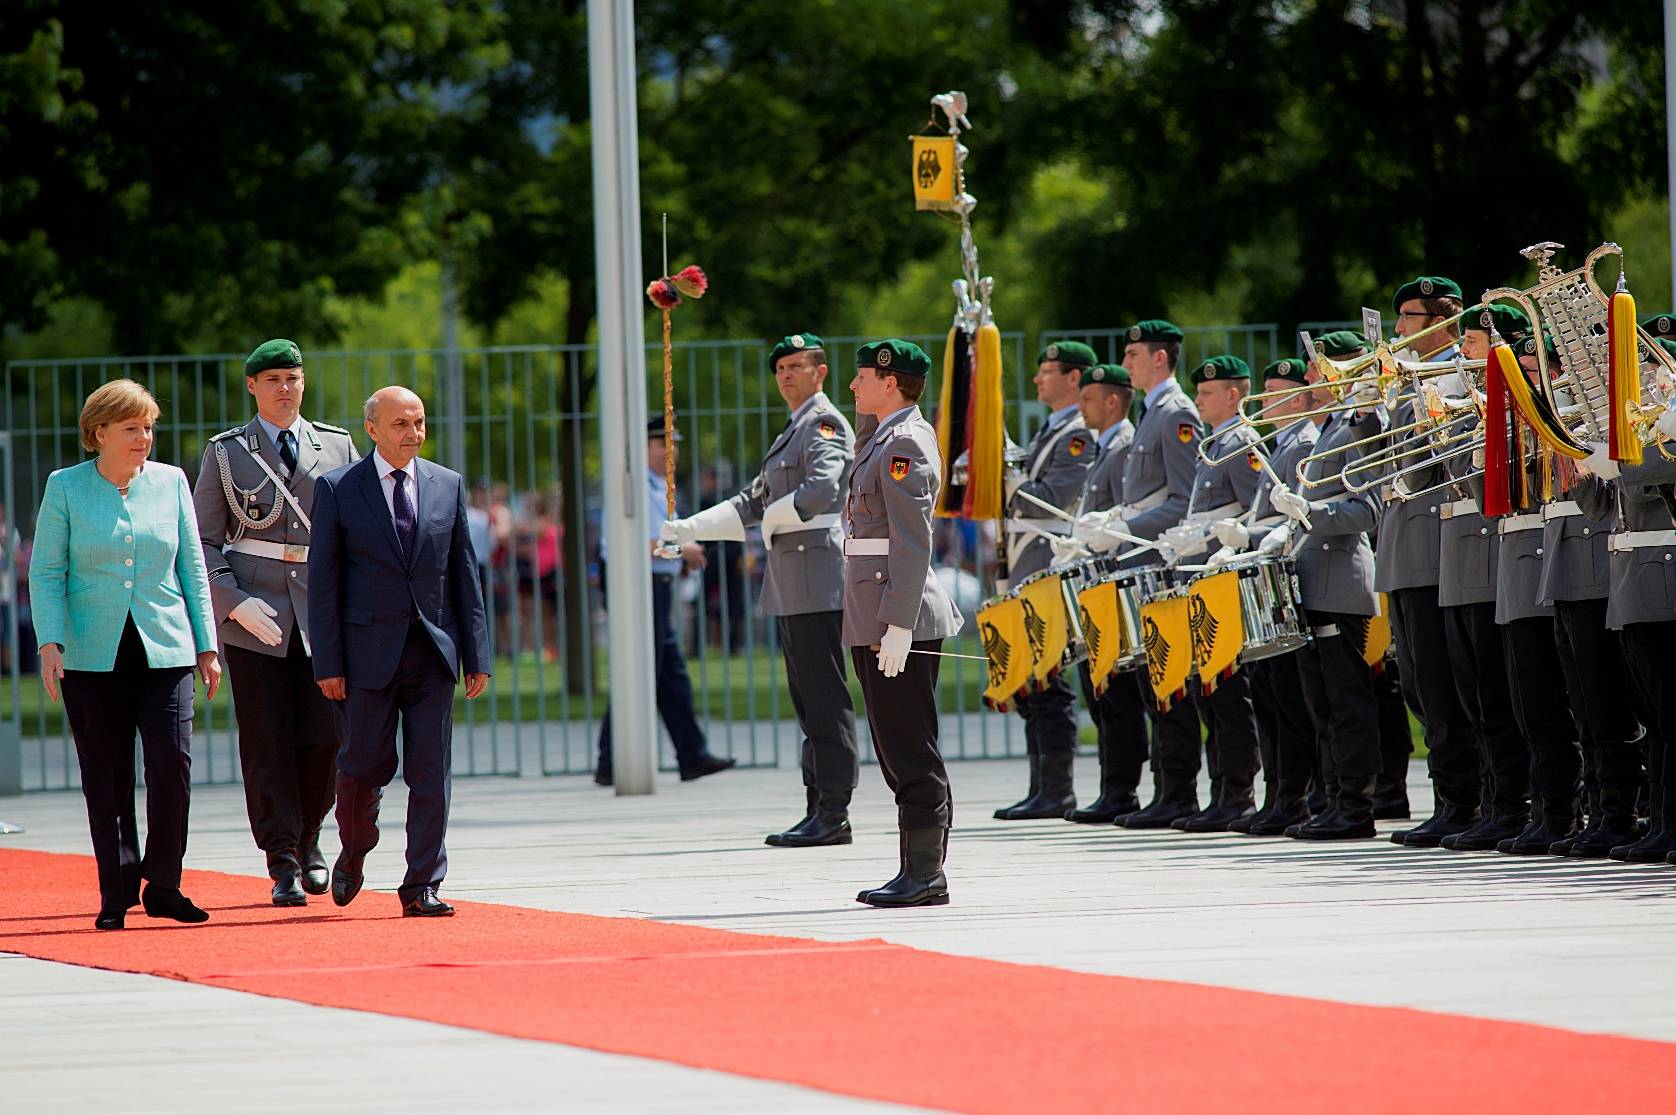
point(1426, 287)
point(827, 429)
point(1486, 319)
point(1053, 352)
point(1184, 431)
point(1134, 332)
point(797, 340)
point(881, 358)
point(899, 468)
point(1209, 370)
point(1077, 444)
point(1664, 325)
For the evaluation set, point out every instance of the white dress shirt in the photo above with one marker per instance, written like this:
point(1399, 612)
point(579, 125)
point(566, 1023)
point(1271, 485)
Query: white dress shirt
point(388, 486)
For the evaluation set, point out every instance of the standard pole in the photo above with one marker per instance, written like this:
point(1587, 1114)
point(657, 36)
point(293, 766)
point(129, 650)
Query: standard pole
point(452, 371)
point(622, 392)
point(1670, 129)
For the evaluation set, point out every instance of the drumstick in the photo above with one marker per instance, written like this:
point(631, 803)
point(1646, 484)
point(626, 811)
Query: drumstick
point(939, 653)
point(1274, 477)
point(1057, 512)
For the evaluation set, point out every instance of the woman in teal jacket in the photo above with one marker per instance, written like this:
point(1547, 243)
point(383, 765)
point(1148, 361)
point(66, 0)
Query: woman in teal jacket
point(122, 612)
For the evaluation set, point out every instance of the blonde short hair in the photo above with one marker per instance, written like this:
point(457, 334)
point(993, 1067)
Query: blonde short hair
point(116, 401)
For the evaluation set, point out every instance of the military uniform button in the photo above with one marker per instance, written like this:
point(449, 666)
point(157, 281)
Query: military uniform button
point(295, 526)
point(1539, 551)
point(1585, 532)
point(127, 584)
point(878, 575)
point(128, 561)
point(128, 538)
point(293, 574)
point(801, 547)
point(1483, 530)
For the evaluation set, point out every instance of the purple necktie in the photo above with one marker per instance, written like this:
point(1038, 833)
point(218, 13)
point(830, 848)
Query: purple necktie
point(404, 512)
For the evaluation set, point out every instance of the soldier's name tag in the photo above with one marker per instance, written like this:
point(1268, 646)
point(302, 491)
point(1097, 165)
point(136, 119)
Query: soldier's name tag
point(899, 468)
point(1184, 432)
point(1077, 445)
point(827, 429)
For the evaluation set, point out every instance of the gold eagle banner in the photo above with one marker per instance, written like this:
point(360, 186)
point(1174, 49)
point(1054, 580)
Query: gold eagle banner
point(1213, 621)
point(934, 172)
point(1102, 630)
point(1045, 624)
point(1169, 648)
point(1006, 649)
point(1379, 635)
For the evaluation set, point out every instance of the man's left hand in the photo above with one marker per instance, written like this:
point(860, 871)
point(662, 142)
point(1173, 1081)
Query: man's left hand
point(475, 685)
point(692, 555)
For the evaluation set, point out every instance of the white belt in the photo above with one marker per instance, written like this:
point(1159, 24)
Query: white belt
point(1639, 539)
point(1513, 524)
point(1147, 503)
point(866, 547)
point(819, 522)
point(1562, 510)
point(1031, 526)
point(278, 551)
point(1227, 510)
point(1459, 507)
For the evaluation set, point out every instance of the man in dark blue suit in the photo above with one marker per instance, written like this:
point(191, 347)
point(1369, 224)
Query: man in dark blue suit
point(395, 613)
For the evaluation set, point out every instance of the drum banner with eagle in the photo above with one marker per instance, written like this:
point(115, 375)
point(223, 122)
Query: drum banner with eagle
point(1046, 625)
point(1006, 649)
point(1169, 648)
point(1102, 631)
point(1378, 642)
point(1213, 621)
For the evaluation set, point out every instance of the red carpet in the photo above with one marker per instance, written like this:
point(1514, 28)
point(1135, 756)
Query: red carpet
point(865, 1018)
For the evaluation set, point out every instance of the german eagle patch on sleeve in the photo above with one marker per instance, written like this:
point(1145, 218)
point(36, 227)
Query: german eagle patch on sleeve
point(1078, 444)
point(899, 468)
point(1185, 432)
point(827, 429)
point(1255, 461)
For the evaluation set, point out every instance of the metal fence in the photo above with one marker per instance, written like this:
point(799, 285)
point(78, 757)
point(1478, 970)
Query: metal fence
point(520, 422)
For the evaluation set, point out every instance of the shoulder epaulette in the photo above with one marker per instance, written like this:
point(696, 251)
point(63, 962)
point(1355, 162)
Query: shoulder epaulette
point(331, 429)
point(236, 431)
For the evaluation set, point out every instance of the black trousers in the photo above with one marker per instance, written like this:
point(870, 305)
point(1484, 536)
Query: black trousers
point(1396, 738)
point(287, 747)
point(1423, 658)
point(1337, 684)
point(420, 701)
point(1286, 735)
point(1175, 745)
point(1231, 750)
point(902, 715)
point(105, 709)
point(1602, 697)
point(1119, 716)
point(1475, 646)
point(1542, 709)
point(1649, 648)
point(674, 687)
point(813, 647)
point(1050, 717)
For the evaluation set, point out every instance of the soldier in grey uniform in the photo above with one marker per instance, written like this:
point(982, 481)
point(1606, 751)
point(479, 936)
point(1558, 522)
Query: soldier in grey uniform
point(1225, 489)
point(1157, 485)
point(796, 498)
point(254, 496)
point(896, 613)
point(1118, 712)
point(1335, 568)
point(1285, 736)
point(1056, 462)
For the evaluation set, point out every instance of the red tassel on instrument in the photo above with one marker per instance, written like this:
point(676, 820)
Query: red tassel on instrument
point(1496, 498)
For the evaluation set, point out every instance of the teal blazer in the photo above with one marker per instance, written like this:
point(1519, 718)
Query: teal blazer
point(100, 558)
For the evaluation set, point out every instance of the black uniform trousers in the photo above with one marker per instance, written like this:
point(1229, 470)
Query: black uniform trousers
point(105, 708)
point(420, 700)
point(1050, 717)
point(1175, 745)
point(1119, 716)
point(674, 687)
point(902, 716)
point(1602, 697)
point(1231, 751)
point(1423, 658)
point(1542, 709)
point(813, 647)
point(1338, 689)
point(1475, 646)
point(1285, 733)
point(1396, 738)
point(1649, 648)
point(287, 747)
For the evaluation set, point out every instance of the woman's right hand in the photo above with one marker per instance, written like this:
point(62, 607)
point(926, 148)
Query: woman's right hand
point(52, 669)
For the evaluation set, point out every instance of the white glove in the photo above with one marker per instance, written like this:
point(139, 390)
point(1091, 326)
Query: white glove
point(1666, 424)
point(1184, 538)
point(1478, 457)
point(1600, 464)
point(1088, 528)
point(893, 650)
point(778, 516)
point(1232, 533)
point(1274, 542)
point(1220, 558)
point(1364, 399)
point(720, 523)
point(1290, 504)
point(1011, 483)
point(1166, 552)
point(1066, 549)
point(256, 617)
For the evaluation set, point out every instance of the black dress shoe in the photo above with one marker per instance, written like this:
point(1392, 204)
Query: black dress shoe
point(1333, 825)
point(1042, 806)
point(920, 882)
point(288, 890)
point(1216, 819)
point(171, 904)
point(110, 919)
point(1278, 820)
point(1105, 810)
point(819, 831)
point(427, 905)
point(1159, 814)
point(346, 880)
point(706, 765)
point(316, 879)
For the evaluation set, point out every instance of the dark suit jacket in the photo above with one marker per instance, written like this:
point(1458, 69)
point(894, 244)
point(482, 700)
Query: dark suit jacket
point(363, 595)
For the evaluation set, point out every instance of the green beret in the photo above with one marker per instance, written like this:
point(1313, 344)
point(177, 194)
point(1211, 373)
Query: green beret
point(1341, 343)
point(1291, 368)
point(1526, 346)
point(1107, 375)
point(1222, 367)
point(1426, 286)
point(1660, 325)
point(1509, 321)
point(1074, 353)
point(1154, 330)
point(1666, 343)
point(788, 346)
point(277, 353)
point(894, 357)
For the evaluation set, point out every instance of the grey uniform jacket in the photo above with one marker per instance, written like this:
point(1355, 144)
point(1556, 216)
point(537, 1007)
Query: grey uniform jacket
point(1409, 543)
point(893, 490)
point(1102, 488)
point(1335, 560)
point(1644, 578)
point(811, 461)
point(1469, 548)
point(1162, 461)
point(235, 577)
point(1056, 463)
point(1518, 592)
point(1575, 564)
point(1225, 489)
point(1292, 446)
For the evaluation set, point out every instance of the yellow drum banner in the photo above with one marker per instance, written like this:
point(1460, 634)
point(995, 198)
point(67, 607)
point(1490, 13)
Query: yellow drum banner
point(1007, 649)
point(1102, 630)
point(1379, 634)
point(934, 172)
point(1213, 620)
point(1045, 623)
point(1169, 649)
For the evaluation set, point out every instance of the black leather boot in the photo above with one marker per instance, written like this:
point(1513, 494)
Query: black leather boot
point(1617, 824)
point(1543, 833)
point(1449, 819)
point(1659, 841)
point(1391, 804)
point(1590, 822)
point(1180, 823)
point(1056, 795)
point(830, 824)
point(921, 881)
point(810, 797)
point(1351, 817)
point(1235, 802)
point(1243, 824)
point(316, 879)
point(1106, 808)
point(1005, 812)
point(288, 889)
point(1488, 833)
point(1169, 804)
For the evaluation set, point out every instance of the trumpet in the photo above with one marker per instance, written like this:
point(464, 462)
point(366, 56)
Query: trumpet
point(1418, 444)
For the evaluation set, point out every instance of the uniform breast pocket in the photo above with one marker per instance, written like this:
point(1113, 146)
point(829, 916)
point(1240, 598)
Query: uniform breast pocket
point(791, 571)
point(867, 571)
point(1650, 579)
point(782, 478)
point(1471, 559)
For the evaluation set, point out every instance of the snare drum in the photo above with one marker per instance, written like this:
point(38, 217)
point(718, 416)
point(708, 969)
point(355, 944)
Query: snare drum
point(1271, 611)
point(1134, 588)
